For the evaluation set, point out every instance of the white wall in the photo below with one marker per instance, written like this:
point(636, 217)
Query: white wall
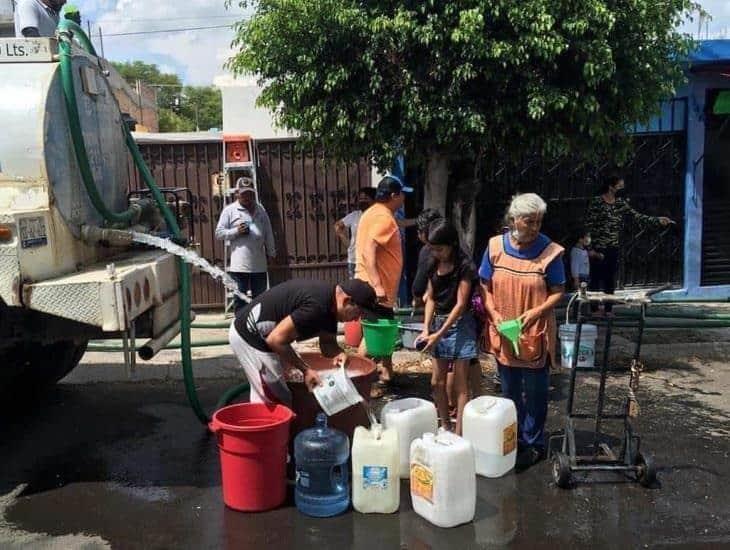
point(240, 113)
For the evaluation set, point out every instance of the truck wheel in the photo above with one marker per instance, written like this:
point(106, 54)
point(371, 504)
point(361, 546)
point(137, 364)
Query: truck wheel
point(72, 353)
point(30, 366)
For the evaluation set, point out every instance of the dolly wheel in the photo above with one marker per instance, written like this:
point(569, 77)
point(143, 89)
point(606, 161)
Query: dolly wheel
point(561, 470)
point(645, 470)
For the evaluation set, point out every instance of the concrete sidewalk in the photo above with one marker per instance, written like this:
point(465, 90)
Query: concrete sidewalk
point(659, 347)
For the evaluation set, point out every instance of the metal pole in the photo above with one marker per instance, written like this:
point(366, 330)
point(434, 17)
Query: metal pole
point(574, 359)
point(139, 100)
point(602, 387)
point(101, 41)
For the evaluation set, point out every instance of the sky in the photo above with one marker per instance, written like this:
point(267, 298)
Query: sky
point(197, 56)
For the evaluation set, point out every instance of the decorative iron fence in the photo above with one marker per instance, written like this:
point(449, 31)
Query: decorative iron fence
point(654, 185)
point(303, 193)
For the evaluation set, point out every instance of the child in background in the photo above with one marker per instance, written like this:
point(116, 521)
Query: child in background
point(450, 329)
point(580, 265)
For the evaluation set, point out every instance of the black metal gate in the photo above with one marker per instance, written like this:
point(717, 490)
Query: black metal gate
point(305, 193)
point(654, 185)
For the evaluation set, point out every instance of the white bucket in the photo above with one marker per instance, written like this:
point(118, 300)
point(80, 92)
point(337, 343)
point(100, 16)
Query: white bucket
point(586, 349)
point(337, 392)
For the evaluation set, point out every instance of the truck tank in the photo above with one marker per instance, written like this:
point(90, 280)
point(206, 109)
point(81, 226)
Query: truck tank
point(56, 288)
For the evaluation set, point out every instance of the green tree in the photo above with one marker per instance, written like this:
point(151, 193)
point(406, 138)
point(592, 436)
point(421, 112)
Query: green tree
point(203, 106)
point(181, 108)
point(452, 83)
point(170, 121)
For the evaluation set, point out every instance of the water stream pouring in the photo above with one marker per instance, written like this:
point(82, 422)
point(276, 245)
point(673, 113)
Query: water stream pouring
point(192, 258)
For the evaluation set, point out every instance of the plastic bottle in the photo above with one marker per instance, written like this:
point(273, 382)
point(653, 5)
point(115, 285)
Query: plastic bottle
point(375, 470)
point(443, 480)
point(490, 424)
point(411, 418)
point(321, 454)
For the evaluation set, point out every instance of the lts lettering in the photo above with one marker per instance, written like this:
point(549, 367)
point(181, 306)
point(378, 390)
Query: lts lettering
point(15, 50)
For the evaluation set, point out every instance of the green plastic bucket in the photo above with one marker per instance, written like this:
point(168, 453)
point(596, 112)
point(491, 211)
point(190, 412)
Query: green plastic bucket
point(381, 336)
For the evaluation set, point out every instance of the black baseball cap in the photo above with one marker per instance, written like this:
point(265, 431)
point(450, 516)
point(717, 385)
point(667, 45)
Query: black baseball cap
point(389, 185)
point(361, 293)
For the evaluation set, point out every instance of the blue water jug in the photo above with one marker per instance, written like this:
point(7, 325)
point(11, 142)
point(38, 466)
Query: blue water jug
point(321, 454)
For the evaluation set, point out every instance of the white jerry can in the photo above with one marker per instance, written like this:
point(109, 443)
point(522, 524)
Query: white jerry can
point(375, 464)
point(443, 480)
point(490, 424)
point(411, 418)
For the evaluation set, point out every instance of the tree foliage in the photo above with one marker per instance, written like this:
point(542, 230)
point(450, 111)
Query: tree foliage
point(462, 79)
point(181, 108)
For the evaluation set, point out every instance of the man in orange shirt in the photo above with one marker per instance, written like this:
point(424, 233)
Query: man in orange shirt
point(378, 252)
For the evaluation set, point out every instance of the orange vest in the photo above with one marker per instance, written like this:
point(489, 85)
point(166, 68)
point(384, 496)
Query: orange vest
point(519, 285)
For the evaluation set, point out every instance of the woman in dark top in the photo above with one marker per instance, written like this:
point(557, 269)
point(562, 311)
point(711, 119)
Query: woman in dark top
point(425, 259)
point(450, 332)
point(604, 220)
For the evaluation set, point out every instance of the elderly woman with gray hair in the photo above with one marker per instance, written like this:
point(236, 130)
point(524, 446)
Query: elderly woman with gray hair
point(523, 277)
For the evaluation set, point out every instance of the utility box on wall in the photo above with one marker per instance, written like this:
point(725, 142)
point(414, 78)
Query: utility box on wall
point(7, 27)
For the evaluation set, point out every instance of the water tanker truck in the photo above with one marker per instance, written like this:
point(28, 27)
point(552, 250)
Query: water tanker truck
point(69, 271)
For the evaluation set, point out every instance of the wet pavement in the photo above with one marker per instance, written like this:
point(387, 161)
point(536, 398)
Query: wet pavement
point(126, 465)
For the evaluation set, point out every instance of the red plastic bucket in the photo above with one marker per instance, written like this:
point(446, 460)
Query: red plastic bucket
point(353, 333)
point(253, 440)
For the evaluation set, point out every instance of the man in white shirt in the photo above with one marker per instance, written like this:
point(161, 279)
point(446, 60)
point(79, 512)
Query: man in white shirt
point(35, 18)
point(246, 226)
point(346, 228)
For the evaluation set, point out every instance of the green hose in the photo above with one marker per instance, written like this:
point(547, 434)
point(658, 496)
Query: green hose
point(77, 34)
point(69, 30)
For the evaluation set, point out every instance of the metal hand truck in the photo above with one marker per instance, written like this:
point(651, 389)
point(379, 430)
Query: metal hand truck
point(601, 457)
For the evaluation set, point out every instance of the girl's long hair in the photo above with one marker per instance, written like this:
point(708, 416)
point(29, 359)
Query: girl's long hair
point(443, 233)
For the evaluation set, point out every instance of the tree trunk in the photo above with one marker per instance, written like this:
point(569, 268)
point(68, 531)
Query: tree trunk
point(437, 182)
point(464, 213)
point(440, 184)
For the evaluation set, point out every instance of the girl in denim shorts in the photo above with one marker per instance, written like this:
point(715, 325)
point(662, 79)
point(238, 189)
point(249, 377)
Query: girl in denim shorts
point(450, 329)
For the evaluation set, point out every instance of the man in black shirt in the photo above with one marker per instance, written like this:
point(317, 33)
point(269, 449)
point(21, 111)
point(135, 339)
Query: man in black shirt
point(263, 332)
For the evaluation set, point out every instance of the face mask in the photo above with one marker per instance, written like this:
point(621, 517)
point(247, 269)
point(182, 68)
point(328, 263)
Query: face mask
point(362, 205)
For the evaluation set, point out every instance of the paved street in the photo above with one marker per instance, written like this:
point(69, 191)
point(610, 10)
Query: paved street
point(126, 465)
